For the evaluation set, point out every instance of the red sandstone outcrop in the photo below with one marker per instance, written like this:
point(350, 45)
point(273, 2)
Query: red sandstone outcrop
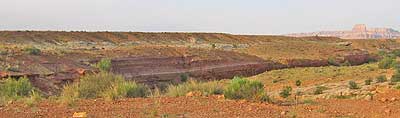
point(359, 31)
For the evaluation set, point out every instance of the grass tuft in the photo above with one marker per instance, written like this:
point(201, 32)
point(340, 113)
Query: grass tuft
point(103, 84)
point(206, 88)
point(15, 88)
point(126, 89)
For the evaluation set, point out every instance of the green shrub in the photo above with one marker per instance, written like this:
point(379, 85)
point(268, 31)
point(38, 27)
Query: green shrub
point(298, 83)
point(240, 88)
point(396, 66)
point(3, 101)
point(206, 88)
point(396, 77)
point(286, 92)
point(371, 60)
point(91, 86)
point(3, 52)
point(184, 77)
point(213, 46)
point(104, 64)
point(126, 89)
point(368, 82)
point(381, 79)
point(382, 53)
point(33, 51)
point(396, 52)
point(397, 87)
point(353, 85)
point(386, 63)
point(332, 61)
point(14, 68)
point(319, 90)
point(16, 88)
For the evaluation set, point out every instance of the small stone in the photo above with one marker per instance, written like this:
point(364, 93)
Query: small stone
point(393, 99)
point(220, 96)
point(383, 100)
point(372, 88)
point(80, 115)
point(283, 113)
point(192, 94)
point(242, 101)
point(388, 111)
point(368, 97)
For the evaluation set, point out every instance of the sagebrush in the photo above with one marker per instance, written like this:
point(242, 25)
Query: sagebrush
point(240, 88)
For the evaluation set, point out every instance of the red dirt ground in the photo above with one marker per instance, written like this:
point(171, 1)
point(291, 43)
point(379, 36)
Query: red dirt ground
point(213, 106)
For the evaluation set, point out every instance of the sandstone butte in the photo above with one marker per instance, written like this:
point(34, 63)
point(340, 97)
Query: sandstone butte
point(359, 31)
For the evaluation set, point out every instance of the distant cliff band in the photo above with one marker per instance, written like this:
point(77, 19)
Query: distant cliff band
point(359, 31)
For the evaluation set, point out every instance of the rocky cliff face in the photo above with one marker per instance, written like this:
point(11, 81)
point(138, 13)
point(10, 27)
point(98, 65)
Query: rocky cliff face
point(359, 31)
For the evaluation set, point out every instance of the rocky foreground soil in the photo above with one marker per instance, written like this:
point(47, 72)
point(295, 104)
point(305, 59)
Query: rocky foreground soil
point(384, 105)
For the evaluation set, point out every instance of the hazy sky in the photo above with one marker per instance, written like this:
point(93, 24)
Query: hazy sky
point(230, 16)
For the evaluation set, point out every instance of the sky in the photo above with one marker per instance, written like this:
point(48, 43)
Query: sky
point(225, 16)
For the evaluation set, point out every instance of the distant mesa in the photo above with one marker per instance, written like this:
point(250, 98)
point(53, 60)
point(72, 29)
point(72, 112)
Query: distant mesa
point(359, 31)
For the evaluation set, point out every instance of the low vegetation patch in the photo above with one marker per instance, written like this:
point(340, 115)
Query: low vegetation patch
point(126, 89)
point(286, 92)
point(387, 62)
point(298, 83)
point(205, 88)
point(16, 89)
point(381, 79)
point(91, 86)
point(396, 77)
point(353, 85)
point(309, 102)
point(104, 64)
point(33, 50)
point(240, 88)
point(103, 84)
point(3, 52)
point(184, 77)
point(368, 82)
point(332, 61)
point(397, 87)
point(14, 68)
point(34, 98)
point(319, 90)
